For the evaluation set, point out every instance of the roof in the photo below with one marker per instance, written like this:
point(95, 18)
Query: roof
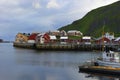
point(65, 37)
point(117, 39)
point(86, 37)
point(33, 36)
point(102, 38)
point(73, 31)
point(40, 34)
point(53, 37)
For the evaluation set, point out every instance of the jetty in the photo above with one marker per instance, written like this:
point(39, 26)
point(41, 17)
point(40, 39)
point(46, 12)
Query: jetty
point(79, 47)
point(24, 45)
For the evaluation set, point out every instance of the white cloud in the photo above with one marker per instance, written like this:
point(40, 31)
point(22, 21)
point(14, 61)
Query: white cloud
point(20, 16)
point(87, 5)
point(36, 4)
point(53, 4)
point(9, 2)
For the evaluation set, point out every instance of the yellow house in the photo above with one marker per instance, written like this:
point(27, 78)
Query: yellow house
point(22, 38)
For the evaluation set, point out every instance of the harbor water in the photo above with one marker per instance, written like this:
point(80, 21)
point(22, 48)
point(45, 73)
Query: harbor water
point(30, 64)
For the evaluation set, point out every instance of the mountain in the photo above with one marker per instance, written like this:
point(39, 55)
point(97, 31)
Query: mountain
point(92, 23)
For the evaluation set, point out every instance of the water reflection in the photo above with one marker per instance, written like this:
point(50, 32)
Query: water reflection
point(48, 63)
point(51, 59)
point(34, 61)
point(101, 76)
point(25, 64)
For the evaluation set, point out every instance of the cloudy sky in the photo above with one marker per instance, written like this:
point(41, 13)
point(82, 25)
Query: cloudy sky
point(42, 15)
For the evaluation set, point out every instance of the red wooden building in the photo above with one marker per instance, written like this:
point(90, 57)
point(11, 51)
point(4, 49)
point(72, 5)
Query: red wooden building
point(32, 38)
point(43, 38)
point(102, 39)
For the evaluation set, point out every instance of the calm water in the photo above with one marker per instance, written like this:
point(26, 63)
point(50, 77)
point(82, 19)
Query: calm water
point(26, 64)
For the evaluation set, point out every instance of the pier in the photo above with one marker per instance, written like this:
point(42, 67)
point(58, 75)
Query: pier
point(24, 45)
point(80, 47)
point(58, 46)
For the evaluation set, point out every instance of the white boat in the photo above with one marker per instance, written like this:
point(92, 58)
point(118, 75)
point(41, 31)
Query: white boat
point(109, 58)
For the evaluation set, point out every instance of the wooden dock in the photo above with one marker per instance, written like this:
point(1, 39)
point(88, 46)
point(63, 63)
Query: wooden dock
point(79, 47)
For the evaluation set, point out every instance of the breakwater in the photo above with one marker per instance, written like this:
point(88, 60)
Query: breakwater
point(24, 45)
point(80, 47)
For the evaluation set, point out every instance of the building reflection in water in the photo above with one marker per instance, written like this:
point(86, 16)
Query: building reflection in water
point(50, 63)
point(45, 60)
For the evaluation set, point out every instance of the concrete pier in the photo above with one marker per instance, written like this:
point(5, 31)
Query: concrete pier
point(25, 45)
point(80, 47)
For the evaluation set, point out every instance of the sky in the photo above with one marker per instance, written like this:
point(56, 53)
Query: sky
point(27, 16)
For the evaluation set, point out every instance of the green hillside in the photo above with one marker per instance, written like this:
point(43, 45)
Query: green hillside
point(92, 23)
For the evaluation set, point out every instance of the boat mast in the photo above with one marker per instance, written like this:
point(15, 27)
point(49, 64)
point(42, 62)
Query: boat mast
point(103, 45)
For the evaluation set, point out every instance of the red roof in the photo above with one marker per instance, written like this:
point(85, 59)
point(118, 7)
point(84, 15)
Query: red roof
point(103, 39)
point(47, 37)
point(33, 36)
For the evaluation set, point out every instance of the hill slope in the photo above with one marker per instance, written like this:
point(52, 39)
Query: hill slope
point(92, 23)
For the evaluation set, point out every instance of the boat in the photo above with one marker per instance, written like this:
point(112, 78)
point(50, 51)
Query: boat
point(109, 58)
point(109, 64)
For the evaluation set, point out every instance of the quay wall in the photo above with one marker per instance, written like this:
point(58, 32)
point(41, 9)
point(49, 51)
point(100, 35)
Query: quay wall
point(66, 47)
point(80, 47)
point(24, 45)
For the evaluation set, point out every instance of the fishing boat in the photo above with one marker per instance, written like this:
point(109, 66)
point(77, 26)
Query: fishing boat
point(108, 64)
point(109, 58)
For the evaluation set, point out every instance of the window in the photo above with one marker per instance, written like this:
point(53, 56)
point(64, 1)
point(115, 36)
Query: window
point(107, 55)
point(112, 55)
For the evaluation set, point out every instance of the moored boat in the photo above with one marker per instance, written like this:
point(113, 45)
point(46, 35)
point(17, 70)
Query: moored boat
point(109, 58)
point(109, 64)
